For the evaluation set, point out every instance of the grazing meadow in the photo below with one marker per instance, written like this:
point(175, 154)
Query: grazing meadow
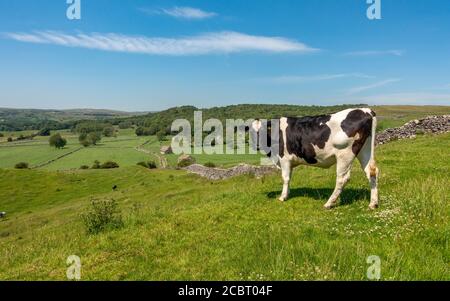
point(179, 226)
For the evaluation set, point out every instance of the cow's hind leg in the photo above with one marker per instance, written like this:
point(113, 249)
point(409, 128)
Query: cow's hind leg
point(286, 172)
point(343, 169)
point(370, 168)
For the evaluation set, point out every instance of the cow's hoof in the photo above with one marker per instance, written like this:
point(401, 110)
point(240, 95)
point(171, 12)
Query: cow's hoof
point(282, 199)
point(328, 206)
point(373, 206)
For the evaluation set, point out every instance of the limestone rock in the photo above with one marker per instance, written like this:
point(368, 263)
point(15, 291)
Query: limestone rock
point(431, 124)
point(166, 150)
point(185, 160)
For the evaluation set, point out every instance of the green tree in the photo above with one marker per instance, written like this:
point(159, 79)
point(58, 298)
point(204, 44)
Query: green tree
point(94, 138)
point(109, 131)
point(146, 131)
point(87, 127)
point(89, 139)
point(57, 141)
point(96, 165)
point(139, 131)
point(125, 125)
point(83, 140)
point(161, 135)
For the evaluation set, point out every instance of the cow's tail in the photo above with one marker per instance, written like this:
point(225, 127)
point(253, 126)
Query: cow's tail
point(372, 164)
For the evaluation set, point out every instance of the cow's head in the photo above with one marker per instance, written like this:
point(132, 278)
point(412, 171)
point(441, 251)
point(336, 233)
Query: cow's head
point(265, 137)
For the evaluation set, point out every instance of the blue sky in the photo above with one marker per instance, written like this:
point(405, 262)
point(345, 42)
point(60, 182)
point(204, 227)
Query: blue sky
point(151, 55)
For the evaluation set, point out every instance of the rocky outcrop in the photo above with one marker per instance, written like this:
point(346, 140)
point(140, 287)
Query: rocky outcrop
point(220, 174)
point(185, 160)
point(166, 150)
point(431, 124)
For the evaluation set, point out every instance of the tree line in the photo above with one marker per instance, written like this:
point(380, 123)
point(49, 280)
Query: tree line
point(159, 123)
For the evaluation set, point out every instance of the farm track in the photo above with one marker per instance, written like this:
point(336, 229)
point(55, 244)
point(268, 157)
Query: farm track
point(162, 160)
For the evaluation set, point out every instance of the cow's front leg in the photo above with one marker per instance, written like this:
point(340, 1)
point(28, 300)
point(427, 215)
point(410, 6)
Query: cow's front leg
point(286, 171)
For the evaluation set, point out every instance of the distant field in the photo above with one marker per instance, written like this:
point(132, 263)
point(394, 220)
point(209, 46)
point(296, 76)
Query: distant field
point(37, 151)
point(179, 226)
point(121, 150)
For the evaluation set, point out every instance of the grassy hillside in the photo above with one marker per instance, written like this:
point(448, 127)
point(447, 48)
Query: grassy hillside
point(161, 121)
point(389, 116)
point(180, 226)
point(23, 119)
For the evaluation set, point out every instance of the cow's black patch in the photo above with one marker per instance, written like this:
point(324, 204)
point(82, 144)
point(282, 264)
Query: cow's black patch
point(304, 132)
point(281, 144)
point(358, 122)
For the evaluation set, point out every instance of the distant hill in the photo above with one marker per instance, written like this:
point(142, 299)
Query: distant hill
point(153, 122)
point(34, 119)
point(388, 116)
point(161, 121)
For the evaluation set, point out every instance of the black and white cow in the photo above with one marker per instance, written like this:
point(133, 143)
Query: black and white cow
point(324, 141)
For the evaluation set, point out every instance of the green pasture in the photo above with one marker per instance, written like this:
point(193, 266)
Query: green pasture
point(179, 226)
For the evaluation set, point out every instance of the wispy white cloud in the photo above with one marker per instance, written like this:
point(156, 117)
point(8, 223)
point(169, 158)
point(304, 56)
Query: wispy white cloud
point(224, 42)
point(394, 52)
point(356, 90)
point(312, 78)
point(182, 12)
